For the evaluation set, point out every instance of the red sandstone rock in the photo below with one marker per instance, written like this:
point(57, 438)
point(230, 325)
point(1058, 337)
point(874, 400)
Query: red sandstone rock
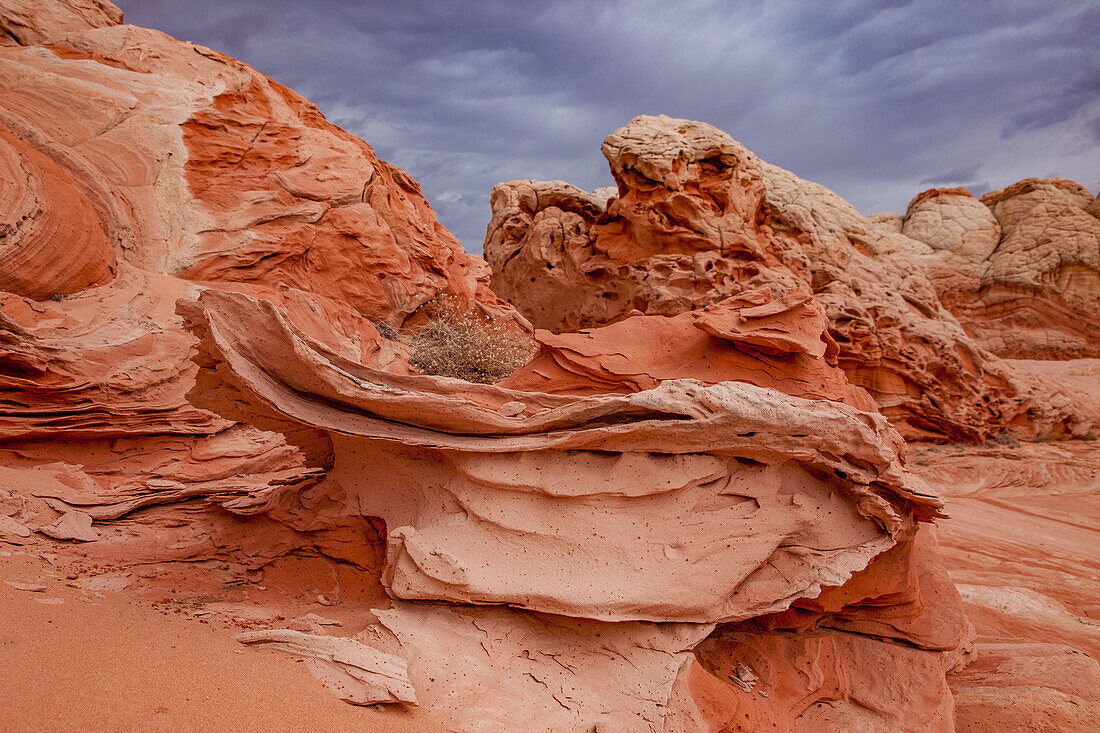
point(502, 471)
point(138, 157)
point(698, 219)
point(1021, 544)
point(557, 677)
point(824, 681)
point(31, 22)
point(1094, 207)
point(52, 241)
point(129, 172)
point(779, 343)
point(705, 461)
point(544, 508)
point(356, 672)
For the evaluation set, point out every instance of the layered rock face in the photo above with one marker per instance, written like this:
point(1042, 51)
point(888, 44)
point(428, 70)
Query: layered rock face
point(136, 170)
point(697, 219)
point(1020, 269)
point(688, 516)
point(1021, 547)
point(606, 512)
point(133, 173)
point(198, 167)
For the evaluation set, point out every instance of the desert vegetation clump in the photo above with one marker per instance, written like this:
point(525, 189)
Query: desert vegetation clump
point(458, 341)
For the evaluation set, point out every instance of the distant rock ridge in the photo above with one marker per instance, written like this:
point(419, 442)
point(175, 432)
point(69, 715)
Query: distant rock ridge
point(1020, 268)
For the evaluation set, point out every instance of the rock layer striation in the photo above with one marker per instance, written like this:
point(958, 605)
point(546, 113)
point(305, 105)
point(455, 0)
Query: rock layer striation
point(697, 218)
point(688, 515)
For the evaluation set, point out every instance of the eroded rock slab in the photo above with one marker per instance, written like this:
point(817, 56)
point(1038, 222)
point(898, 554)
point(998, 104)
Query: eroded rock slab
point(698, 218)
point(356, 672)
point(685, 502)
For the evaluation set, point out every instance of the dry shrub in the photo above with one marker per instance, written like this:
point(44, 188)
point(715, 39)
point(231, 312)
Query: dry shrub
point(459, 342)
point(386, 331)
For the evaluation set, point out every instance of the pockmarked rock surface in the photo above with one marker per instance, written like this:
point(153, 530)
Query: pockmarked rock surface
point(1020, 268)
point(689, 515)
point(697, 218)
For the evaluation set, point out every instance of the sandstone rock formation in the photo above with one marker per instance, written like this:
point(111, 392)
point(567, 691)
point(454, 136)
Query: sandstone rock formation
point(690, 516)
point(1020, 269)
point(136, 170)
point(638, 517)
point(698, 218)
point(779, 343)
point(31, 22)
point(134, 173)
point(1021, 546)
point(199, 167)
point(611, 504)
point(951, 219)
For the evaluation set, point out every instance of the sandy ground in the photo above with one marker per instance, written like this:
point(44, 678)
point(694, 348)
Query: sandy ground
point(81, 660)
point(1023, 547)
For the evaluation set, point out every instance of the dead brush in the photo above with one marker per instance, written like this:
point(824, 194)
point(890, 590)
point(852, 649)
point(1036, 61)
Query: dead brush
point(459, 342)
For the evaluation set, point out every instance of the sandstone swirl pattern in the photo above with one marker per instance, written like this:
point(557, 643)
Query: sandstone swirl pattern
point(685, 512)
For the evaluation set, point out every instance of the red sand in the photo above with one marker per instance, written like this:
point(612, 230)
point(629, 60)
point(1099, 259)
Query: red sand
point(110, 664)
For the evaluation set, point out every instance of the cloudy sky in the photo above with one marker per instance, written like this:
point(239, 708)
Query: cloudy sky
point(876, 99)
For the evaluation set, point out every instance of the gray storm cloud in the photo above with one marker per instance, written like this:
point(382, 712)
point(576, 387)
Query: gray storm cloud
point(872, 99)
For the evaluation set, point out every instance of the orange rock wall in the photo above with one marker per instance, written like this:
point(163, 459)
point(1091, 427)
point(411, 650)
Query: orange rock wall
point(698, 219)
